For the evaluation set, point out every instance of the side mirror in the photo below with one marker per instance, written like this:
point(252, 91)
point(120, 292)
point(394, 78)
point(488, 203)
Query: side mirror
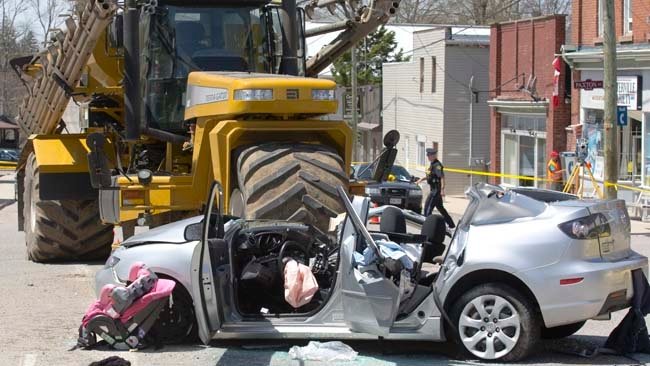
point(414, 179)
point(194, 232)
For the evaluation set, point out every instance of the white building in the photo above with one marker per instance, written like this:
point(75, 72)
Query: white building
point(429, 101)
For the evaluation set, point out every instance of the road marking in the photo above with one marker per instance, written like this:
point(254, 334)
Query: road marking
point(29, 360)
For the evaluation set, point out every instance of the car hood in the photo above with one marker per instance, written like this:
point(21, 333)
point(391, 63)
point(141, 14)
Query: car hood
point(169, 233)
point(402, 185)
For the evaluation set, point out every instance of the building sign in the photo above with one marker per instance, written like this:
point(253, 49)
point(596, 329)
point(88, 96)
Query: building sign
point(588, 84)
point(629, 94)
point(347, 110)
point(621, 115)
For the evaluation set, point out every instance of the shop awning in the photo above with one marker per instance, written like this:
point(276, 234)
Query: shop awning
point(519, 106)
point(628, 57)
point(365, 126)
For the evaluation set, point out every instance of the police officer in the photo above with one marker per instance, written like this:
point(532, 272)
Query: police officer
point(436, 179)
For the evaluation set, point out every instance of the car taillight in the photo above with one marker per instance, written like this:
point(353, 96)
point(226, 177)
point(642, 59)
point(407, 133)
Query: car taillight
point(590, 227)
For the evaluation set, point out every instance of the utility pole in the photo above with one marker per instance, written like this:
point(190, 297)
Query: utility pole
point(471, 128)
point(355, 118)
point(611, 99)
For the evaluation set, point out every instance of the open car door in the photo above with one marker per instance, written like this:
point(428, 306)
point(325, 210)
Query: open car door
point(370, 300)
point(204, 291)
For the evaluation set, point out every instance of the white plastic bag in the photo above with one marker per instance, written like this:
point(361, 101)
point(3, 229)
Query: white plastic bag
point(326, 352)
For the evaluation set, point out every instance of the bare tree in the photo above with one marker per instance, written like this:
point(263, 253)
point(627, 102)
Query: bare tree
point(535, 8)
point(10, 32)
point(421, 12)
point(47, 13)
point(482, 12)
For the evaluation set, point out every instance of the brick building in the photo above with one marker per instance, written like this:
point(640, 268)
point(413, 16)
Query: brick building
point(530, 109)
point(584, 55)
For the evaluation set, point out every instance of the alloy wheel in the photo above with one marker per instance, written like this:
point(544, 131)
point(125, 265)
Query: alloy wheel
point(489, 327)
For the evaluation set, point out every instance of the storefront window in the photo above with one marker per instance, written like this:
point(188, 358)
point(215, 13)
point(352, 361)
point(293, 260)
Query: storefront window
point(646, 158)
point(629, 146)
point(524, 123)
point(510, 158)
point(593, 133)
point(524, 149)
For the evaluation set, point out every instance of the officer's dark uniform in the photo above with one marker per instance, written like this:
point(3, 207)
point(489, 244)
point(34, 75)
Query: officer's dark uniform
point(435, 173)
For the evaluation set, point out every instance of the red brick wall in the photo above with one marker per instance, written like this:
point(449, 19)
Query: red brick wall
point(584, 22)
point(641, 21)
point(517, 51)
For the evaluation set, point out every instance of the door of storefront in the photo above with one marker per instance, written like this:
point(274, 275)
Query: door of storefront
point(646, 149)
point(523, 158)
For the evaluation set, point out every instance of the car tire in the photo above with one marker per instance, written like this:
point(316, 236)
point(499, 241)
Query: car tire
point(176, 322)
point(514, 334)
point(562, 331)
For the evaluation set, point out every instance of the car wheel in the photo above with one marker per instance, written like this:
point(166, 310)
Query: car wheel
point(495, 322)
point(562, 331)
point(176, 322)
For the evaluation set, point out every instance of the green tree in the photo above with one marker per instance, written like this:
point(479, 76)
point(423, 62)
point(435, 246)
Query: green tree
point(379, 47)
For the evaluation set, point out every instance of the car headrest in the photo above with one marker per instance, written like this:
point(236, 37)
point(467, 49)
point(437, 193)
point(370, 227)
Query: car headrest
point(434, 229)
point(392, 221)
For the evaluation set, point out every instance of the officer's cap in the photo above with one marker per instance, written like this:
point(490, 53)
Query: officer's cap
point(432, 151)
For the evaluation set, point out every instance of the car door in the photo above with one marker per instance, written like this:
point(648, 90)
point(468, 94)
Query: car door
point(370, 300)
point(203, 283)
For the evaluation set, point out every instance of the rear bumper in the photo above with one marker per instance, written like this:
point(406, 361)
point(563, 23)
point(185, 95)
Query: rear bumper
point(606, 287)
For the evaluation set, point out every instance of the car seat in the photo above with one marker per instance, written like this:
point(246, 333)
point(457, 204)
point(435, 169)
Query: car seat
point(393, 225)
point(392, 221)
point(123, 315)
point(434, 231)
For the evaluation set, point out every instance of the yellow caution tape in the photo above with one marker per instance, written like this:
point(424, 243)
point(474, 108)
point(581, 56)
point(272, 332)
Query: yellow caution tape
point(513, 176)
point(622, 186)
point(489, 174)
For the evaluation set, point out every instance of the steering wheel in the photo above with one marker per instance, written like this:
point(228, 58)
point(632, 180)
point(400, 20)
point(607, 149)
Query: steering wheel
point(283, 249)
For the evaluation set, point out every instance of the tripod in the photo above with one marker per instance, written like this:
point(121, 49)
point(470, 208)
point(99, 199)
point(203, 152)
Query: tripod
point(575, 177)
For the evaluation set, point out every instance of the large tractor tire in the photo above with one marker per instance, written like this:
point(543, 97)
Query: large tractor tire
point(289, 181)
point(62, 230)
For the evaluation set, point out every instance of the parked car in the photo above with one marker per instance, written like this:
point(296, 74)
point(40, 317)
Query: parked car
point(399, 190)
point(531, 268)
point(8, 155)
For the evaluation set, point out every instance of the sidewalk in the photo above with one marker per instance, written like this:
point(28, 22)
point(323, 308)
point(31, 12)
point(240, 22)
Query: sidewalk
point(456, 206)
point(7, 190)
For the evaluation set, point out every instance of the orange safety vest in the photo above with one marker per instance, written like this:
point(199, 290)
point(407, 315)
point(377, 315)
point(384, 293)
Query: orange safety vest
point(553, 171)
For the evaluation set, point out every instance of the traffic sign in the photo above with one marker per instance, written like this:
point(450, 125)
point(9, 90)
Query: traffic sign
point(621, 115)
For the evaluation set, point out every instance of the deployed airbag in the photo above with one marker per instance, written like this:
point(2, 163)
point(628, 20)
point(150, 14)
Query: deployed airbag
point(299, 284)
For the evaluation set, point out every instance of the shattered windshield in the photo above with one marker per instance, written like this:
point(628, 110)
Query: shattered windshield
point(183, 39)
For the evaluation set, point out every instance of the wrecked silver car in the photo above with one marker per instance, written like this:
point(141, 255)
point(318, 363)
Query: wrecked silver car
point(521, 265)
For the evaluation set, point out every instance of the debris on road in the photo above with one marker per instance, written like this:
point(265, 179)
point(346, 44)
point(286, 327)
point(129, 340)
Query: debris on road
point(326, 352)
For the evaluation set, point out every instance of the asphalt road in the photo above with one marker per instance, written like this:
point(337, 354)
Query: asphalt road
point(41, 308)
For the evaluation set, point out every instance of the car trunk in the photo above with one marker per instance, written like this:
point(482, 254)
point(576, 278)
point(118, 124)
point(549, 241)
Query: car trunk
point(613, 224)
point(616, 245)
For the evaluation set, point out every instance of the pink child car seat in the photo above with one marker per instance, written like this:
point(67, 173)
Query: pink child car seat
point(123, 315)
